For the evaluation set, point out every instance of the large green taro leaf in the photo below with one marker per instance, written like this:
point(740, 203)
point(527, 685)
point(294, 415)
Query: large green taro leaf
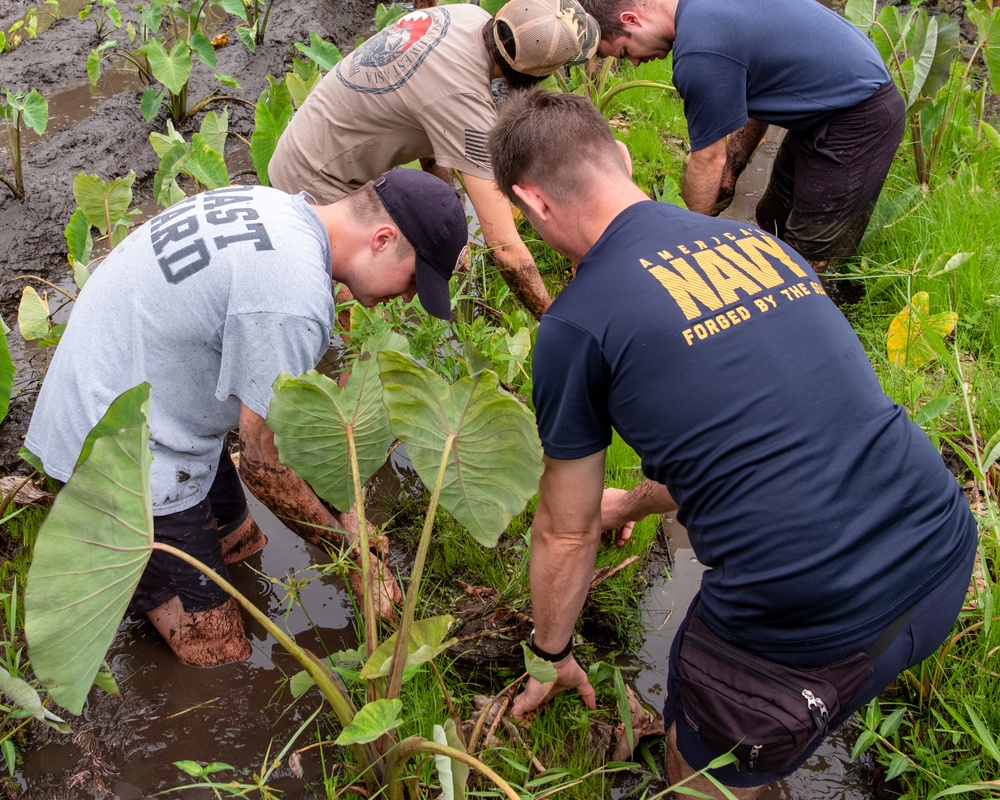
point(495, 459)
point(310, 416)
point(89, 556)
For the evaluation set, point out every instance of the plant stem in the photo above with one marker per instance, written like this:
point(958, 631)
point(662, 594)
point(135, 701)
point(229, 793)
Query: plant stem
point(417, 744)
point(367, 600)
point(637, 84)
point(40, 280)
point(413, 590)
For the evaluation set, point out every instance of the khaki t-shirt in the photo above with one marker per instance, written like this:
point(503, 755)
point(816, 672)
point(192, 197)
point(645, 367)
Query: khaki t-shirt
point(418, 88)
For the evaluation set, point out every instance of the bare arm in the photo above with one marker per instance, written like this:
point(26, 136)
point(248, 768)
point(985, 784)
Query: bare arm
point(619, 508)
point(507, 250)
point(565, 535)
point(740, 147)
point(703, 177)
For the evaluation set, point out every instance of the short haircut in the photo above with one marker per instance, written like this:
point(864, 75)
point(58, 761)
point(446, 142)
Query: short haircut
point(552, 140)
point(517, 80)
point(367, 209)
point(607, 12)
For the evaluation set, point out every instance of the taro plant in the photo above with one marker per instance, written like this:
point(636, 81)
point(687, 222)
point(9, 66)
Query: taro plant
point(278, 101)
point(919, 49)
point(26, 27)
point(166, 57)
point(201, 159)
point(21, 109)
point(595, 85)
point(104, 205)
point(255, 14)
point(472, 443)
point(103, 13)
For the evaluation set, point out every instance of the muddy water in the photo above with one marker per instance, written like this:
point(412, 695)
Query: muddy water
point(124, 746)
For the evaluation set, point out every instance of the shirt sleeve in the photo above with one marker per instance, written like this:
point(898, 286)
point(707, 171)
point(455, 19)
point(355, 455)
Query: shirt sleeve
point(258, 346)
point(570, 378)
point(458, 126)
point(714, 91)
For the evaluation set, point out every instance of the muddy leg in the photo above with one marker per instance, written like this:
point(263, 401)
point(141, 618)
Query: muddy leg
point(678, 769)
point(202, 638)
point(243, 542)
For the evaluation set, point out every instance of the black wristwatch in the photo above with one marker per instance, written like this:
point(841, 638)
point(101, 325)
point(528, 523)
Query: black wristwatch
point(548, 656)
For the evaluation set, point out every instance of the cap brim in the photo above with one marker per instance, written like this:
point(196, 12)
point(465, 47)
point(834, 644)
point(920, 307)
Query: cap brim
point(432, 289)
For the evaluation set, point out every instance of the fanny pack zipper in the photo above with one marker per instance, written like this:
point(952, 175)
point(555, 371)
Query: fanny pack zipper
point(814, 703)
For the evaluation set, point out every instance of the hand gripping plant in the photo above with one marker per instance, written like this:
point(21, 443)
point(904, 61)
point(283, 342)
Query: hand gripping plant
point(472, 443)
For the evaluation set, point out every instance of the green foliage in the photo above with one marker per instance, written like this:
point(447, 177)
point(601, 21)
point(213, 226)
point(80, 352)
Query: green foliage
point(274, 110)
point(26, 27)
point(919, 50)
point(312, 417)
point(89, 555)
point(494, 456)
point(22, 109)
point(105, 206)
point(371, 722)
point(254, 14)
point(104, 13)
point(201, 159)
point(7, 371)
point(33, 315)
point(171, 43)
point(386, 16)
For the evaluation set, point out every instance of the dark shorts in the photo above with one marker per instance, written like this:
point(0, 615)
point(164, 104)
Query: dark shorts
point(930, 623)
point(197, 531)
point(826, 179)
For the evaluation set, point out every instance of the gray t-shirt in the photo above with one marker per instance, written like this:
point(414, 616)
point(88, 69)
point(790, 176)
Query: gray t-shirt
point(208, 302)
point(420, 87)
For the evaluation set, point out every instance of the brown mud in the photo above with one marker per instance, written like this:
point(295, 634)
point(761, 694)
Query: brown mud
point(101, 131)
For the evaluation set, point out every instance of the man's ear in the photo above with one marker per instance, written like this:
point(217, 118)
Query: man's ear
point(630, 19)
point(626, 155)
point(532, 200)
point(383, 237)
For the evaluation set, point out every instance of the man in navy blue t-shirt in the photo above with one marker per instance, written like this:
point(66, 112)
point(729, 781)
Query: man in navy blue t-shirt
point(794, 63)
point(713, 350)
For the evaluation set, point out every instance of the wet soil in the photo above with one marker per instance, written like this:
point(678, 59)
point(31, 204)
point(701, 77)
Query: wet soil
point(101, 131)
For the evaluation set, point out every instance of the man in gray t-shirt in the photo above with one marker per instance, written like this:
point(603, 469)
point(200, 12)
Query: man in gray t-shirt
point(209, 301)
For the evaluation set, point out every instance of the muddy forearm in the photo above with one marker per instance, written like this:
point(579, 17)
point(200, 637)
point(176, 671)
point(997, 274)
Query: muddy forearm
point(649, 497)
point(520, 273)
point(739, 150)
point(289, 498)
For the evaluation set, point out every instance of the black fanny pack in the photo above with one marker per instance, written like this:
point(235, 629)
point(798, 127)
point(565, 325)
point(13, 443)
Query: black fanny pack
point(767, 713)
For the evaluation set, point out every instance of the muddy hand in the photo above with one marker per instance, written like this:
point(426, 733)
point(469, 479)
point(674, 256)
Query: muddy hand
point(377, 542)
point(613, 520)
point(386, 591)
point(569, 675)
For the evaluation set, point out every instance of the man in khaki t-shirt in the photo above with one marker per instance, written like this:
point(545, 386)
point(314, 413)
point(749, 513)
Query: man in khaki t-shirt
point(421, 89)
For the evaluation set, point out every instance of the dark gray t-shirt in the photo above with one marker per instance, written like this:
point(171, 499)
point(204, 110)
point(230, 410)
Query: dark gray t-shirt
point(785, 62)
point(208, 302)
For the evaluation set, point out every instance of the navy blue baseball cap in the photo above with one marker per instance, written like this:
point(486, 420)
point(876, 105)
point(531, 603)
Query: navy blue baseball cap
point(431, 217)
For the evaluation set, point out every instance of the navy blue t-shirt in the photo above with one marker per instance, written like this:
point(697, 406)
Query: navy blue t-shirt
point(786, 62)
point(820, 509)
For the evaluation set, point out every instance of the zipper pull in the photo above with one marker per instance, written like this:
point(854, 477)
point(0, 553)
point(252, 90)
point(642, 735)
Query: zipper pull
point(754, 754)
point(817, 708)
